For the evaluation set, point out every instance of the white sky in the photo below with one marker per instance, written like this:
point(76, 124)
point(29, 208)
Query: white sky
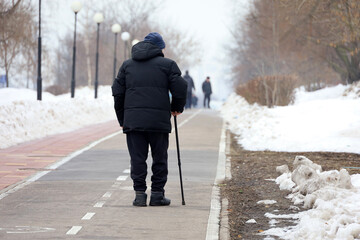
point(207, 20)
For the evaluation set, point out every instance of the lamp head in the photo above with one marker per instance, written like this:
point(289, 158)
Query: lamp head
point(99, 18)
point(116, 28)
point(135, 41)
point(125, 36)
point(76, 6)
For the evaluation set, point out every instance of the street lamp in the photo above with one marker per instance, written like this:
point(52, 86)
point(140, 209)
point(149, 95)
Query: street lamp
point(135, 41)
point(75, 6)
point(98, 18)
point(116, 28)
point(125, 36)
point(39, 79)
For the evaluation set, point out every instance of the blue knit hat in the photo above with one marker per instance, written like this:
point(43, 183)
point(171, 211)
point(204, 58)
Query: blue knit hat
point(156, 39)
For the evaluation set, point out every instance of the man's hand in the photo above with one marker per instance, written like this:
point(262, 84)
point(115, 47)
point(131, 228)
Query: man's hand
point(175, 113)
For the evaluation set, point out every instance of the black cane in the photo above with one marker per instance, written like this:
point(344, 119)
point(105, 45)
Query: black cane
point(179, 162)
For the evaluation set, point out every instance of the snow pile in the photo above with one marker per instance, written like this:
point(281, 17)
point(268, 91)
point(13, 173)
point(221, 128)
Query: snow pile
point(267, 202)
point(23, 118)
point(332, 197)
point(251, 221)
point(324, 120)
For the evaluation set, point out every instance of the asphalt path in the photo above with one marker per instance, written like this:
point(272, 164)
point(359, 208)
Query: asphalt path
point(90, 196)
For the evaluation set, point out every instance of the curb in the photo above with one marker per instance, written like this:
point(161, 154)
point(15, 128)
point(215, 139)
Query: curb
point(214, 222)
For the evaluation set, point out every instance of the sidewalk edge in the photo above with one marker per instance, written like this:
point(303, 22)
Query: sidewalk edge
point(213, 227)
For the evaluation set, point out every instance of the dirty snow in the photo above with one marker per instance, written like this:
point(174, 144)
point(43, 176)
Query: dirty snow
point(251, 221)
point(267, 202)
point(331, 197)
point(324, 120)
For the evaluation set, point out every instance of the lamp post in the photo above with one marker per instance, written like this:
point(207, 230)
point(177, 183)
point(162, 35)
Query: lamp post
point(125, 36)
point(135, 41)
point(98, 18)
point(116, 28)
point(39, 79)
point(75, 6)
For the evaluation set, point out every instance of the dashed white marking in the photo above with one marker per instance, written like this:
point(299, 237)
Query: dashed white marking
point(121, 178)
point(126, 171)
point(127, 188)
point(116, 184)
point(107, 195)
point(88, 216)
point(74, 230)
point(99, 204)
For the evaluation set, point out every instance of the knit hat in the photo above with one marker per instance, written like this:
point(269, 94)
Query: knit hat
point(156, 39)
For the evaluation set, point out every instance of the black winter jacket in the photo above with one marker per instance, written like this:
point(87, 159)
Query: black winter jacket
point(141, 90)
point(190, 82)
point(206, 87)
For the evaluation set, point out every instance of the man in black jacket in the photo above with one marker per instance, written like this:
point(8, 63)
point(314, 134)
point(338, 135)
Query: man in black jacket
point(206, 87)
point(190, 87)
point(143, 108)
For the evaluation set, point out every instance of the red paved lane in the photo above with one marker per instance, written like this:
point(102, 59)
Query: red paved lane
point(23, 160)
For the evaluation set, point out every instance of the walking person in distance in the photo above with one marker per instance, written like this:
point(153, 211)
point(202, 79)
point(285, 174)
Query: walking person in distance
point(206, 87)
point(143, 109)
point(190, 87)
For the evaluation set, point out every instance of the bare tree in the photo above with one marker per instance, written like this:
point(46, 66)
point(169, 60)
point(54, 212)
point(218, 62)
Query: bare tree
point(134, 17)
point(16, 38)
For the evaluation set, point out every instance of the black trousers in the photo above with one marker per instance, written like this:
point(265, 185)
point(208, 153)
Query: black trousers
point(207, 99)
point(188, 100)
point(138, 146)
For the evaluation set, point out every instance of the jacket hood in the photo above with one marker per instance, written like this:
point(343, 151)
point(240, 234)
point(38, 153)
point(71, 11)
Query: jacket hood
point(145, 50)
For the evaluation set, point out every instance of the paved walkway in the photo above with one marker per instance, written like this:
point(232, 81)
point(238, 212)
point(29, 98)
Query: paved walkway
point(90, 196)
point(23, 160)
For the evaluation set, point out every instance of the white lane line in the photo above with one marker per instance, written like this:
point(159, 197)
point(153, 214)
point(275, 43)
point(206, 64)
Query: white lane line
point(212, 232)
point(116, 184)
point(99, 204)
point(126, 171)
point(107, 195)
point(88, 216)
point(74, 230)
point(121, 178)
point(187, 120)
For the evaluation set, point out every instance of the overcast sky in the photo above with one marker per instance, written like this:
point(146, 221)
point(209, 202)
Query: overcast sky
point(207, 20)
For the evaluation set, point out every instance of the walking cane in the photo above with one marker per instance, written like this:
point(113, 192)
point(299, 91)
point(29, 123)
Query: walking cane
point(179, 162)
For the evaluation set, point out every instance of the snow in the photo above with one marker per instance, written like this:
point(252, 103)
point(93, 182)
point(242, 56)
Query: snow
point(251, 221)
point(324, 120)
point(331, 198)
point(267, 202)
point(23, 118)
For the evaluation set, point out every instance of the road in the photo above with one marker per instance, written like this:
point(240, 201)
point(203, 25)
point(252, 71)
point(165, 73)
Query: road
point(90, 196)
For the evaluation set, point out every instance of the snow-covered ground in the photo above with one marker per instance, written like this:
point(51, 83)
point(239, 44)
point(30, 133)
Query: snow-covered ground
point(23, 118)
point(323, 120)
point(331, 197)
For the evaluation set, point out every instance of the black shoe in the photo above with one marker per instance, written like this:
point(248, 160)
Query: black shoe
point(158, 199)
point(140, 199)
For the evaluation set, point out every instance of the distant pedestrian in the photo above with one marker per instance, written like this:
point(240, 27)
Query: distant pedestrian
point(206, 87)
point(143, 108)
point(190, 87)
